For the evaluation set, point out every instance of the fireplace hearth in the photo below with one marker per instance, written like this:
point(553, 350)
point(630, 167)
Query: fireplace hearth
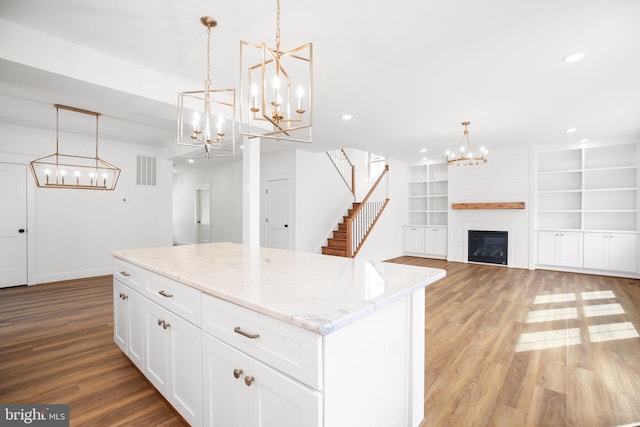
point(488, 246)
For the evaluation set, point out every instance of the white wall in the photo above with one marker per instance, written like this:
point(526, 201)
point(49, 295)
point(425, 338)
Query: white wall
point(505, 178)
point(71, 233)
point(225, 180)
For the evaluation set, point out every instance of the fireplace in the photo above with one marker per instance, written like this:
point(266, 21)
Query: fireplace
point(488, 246)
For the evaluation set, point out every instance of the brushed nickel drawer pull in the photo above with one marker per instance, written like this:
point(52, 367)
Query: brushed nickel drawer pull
point(237, 373)
point(164, 294)
point(239, 330)
point(125, 274)
point(165, 325)
point(248, 380)
point(123, 296)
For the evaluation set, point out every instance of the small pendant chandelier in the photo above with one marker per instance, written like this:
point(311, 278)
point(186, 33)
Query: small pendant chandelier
point(205, 117)
point(465, 156)
point(74, 171)
point(276, 90)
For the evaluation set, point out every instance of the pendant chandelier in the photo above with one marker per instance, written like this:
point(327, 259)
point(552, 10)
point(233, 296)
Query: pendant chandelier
point(276, 90)
point(74, 171)
point(206, 117)
point(465, 156)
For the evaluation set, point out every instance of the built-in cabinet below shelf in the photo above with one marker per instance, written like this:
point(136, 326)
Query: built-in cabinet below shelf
point(425, 241)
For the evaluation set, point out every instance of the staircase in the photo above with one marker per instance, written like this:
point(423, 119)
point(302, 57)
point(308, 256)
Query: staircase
point(337, 243)
point(356, 225)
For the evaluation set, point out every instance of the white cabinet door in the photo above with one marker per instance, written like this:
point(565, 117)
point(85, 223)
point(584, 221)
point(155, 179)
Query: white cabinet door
point(120, 316)
point(548, 247)
point(413, 238)
point(128, 323)
point(623, 252)
point(239, 391)
point(224, 394)
point(571, 249)
point(276, 400)
point(595, 253)
point(185, 385)
point(435, 239)
point(607, 251)
point(156, 366)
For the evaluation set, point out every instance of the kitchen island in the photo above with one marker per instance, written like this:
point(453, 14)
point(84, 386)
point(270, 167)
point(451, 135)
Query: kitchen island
point(234, 335)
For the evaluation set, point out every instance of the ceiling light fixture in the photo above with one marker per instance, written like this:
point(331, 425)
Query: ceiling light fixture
point(276, 90)
point(570, 130)
point(466, 156)
point(346, 117)
point(73, 171)
point(211, 113)
point(573, 57)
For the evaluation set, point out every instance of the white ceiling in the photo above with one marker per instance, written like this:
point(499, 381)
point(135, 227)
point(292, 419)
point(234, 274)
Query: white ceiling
point(409, 71)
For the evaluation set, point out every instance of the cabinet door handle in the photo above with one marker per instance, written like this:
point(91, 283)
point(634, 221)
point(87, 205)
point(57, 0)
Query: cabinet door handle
point(125, 274)
point(239, 330)
point(165, 325)
point(237, 373)
point(249, 380)
point(123, 296)
point(160, 322)
point(164, 294)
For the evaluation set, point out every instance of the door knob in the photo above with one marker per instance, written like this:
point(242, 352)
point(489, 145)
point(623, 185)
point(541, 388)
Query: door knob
point(286, 225)
point(21, 230)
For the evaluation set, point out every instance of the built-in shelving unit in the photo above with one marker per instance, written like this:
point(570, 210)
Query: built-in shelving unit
point(588, 189)
point(587, 214)
point(426, 234)
point(428, 194)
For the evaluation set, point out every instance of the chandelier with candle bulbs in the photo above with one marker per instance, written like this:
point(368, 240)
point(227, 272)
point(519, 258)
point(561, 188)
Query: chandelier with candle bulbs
point(465, 156)
point(74, 171)
point(276, 90)
point(206, 117)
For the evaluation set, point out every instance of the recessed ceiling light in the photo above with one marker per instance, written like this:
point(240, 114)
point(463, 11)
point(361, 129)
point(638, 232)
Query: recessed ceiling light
point(242, 147)
point(424, 159)
point(190, 160)
point(570, 130)
point(423, 150)
point(573, 57)
point(346, 117)
point(584, 140)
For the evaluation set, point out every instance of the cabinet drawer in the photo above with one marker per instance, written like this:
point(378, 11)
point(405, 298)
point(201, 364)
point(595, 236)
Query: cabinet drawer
point(289, 349)
point(174, 296)
point(128, 274)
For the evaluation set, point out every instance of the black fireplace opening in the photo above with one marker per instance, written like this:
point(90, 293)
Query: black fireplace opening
point(488, 246)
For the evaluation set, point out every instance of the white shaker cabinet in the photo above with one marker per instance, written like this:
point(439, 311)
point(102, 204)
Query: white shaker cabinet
point(610, 251)
point(240, 391)
point(173, 360)
point(435, 241)
point(560, 248)
point(128, 322)
point(413, 238)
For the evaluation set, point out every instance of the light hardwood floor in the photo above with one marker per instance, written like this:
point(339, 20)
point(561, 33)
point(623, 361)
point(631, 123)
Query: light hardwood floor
point(486, 327)
point(56, 346)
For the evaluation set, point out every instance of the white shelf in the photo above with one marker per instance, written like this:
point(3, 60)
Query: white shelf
point(593, 188)
point(428, 195)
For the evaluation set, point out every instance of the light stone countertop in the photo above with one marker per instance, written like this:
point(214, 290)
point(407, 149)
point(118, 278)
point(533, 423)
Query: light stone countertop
point(316, 292)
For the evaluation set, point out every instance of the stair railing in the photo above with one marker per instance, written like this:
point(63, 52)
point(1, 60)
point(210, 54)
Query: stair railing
point(364, 217)
point(345, 168)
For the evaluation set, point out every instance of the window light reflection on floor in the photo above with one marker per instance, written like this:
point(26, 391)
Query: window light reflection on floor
point(537, 316)
point(612, 331)
point(597, 295)
point(545, 299)
point(548, 339)
point(602, 310)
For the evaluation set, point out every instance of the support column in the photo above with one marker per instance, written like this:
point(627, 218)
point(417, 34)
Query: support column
point(251, 192)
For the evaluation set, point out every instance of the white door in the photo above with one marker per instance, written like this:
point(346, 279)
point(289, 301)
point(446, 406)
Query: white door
point(13, 225)
point(278, 214)
point(203, 214)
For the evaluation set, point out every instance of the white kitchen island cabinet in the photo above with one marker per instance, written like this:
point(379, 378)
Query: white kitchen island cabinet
point(281, 338)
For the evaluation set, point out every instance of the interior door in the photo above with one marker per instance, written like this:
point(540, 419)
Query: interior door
point(13, 225)
point(278, 214)
point(203, 214)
